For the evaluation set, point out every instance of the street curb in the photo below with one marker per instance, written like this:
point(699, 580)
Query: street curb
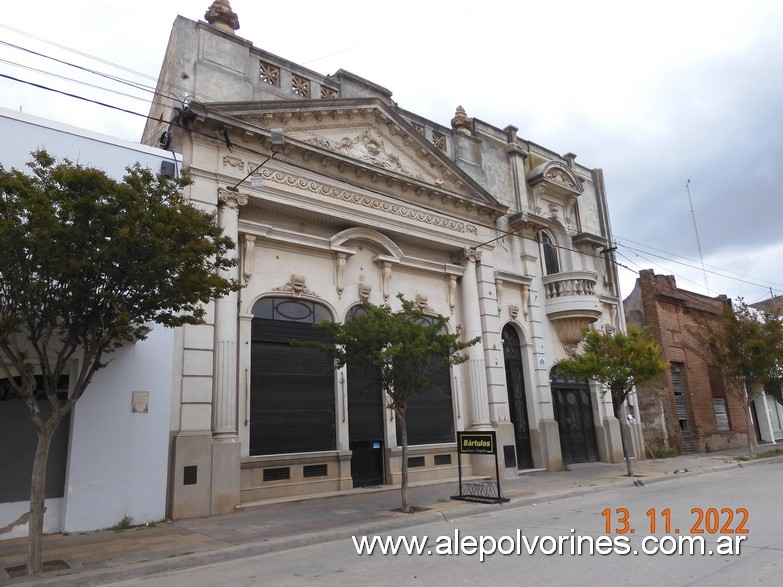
point(231, 552)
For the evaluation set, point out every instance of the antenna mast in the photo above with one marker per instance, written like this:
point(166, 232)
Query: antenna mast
point(696, 230)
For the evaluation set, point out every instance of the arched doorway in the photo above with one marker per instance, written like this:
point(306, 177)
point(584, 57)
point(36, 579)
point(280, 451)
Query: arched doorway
point(574, 414)
point(517, 402)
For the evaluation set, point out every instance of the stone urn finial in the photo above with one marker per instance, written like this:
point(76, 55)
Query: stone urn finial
point(461, 122)
point(221, 16)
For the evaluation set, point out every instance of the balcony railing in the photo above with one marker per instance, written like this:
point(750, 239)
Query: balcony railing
point(580, 283)
point(571, 303)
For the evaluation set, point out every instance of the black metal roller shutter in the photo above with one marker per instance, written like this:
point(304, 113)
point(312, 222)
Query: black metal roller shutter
point(291, 391)
point(429, 415)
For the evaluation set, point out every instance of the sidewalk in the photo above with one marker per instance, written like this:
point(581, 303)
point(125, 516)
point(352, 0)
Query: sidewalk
point(101, 557)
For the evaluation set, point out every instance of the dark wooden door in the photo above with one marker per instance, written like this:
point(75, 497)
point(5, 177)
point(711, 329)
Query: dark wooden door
point(574, 414)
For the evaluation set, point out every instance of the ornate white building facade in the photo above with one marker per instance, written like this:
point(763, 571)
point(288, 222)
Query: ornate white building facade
point(335, 194)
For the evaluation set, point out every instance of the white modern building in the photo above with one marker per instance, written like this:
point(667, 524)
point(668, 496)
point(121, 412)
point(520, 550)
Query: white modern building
point(109, 458)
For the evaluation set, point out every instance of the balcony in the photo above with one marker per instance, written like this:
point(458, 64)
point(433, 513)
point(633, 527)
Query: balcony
point(571, 303)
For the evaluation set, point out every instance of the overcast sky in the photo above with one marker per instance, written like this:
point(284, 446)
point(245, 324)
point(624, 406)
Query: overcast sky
point(655, 96)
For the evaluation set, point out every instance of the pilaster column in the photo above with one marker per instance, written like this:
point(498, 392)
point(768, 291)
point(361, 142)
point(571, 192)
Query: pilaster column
point(471, 312)
point(224, 399)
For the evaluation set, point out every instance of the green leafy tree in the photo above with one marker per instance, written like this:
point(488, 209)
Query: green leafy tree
point(88, 265)
point(747, 347)
point(619, 361)
point(398, 352)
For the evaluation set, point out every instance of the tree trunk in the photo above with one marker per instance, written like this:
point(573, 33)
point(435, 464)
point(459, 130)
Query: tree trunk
point(750, 429)
point(619, 413)
point(38, 498)
point(626, 449)
point(404, 491)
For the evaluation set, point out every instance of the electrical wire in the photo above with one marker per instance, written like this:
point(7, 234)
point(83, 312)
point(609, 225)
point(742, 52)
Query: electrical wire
point(72, 80)
point(690, 266)
point(670, 255)
point(175, 100)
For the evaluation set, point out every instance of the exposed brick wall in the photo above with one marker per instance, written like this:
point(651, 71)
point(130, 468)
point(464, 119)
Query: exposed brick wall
point(669, 312)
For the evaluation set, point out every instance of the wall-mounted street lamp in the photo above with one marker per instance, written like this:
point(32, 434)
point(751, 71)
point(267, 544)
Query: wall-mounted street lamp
point(277, 137)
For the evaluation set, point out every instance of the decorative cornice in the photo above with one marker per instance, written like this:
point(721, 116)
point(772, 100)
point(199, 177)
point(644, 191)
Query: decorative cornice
point(368, 202)
point(528, 224)
point(588, 241)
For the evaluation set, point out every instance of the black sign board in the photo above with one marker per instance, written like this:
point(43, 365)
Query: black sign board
point(477, 443)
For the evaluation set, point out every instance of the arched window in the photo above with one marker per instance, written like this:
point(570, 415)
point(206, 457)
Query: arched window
point(292, 405)
point(549, 251)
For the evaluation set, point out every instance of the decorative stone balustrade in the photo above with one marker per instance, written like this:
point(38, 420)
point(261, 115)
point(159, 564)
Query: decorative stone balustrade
point(571, 303)
point(570, 284)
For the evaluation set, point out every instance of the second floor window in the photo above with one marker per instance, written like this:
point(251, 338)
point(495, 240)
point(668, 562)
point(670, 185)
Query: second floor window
point(551, 264)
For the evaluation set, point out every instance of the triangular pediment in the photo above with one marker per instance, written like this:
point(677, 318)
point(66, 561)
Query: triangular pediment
point(373, 140)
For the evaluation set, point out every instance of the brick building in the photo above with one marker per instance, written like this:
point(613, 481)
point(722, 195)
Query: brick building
point(689, 410)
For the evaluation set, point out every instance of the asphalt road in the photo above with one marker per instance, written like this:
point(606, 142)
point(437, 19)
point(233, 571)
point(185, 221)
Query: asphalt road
point(722, 505)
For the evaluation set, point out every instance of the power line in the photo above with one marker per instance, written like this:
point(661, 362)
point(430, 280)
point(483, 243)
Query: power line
point(696, 230)
point(81, 53)
point(697, 268)
point(725, 273)
point(174, 99)
point(72, 80)
point(114, 78)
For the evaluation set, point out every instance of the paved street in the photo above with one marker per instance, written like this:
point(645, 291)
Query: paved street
point(759, 562)
point(164, 550)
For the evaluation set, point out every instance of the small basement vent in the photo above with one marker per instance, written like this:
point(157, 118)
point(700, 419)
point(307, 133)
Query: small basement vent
point(415, 461)
point(314, 471)
point(277, 474)
point(442, 460)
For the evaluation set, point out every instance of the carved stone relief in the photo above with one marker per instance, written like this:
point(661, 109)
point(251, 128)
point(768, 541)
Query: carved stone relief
point(369, 146)
point(421, 302)
point(365, 289)
point(386, 271)
point(452, 287)
point(296, 286)
point(340, 261)
point(559, 176)
point(231, 199)
point(235, 162)
point(247, 260)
